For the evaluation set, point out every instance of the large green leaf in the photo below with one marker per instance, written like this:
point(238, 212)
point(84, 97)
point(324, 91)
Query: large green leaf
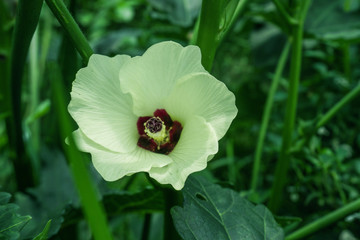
point(11, 222)
point(50, 197)
point(44, 234)
point(212, 212)
point(179, 12)
point(328, 20)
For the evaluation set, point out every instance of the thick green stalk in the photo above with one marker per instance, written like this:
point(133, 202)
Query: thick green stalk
point(195, 33)
point(231, 161)
point(27, 18)
point(228, 24)
point(39, 48)
point(69, 61)
point(266, 115)
point(171, 198)
point(63, 15)
point(5, 49)
point(241, 4)
point(325, 221)
point(284, 13)
point(45, 38)
point(347, 5)
point(346, 99)
point(92, 208)
point(239, 8)
point(346, 61)
point(34, 83)
point(146, 227)
point(282, 165)
point(207, 37)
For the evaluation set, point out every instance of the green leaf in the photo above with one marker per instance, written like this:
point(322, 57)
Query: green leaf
point(4, 198)
point(179, 12)
point(44, 234)
point(11, 223)
point(50, 197)
point(329, 20)
point(212, 212)
point(41, 110)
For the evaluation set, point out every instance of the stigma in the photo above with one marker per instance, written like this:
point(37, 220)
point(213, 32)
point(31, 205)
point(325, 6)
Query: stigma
point(156, 129)
point(158, 133)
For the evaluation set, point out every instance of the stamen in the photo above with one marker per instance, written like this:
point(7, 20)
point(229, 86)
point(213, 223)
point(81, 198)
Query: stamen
point(159, 133)
point(155, 129)
point(154, 124)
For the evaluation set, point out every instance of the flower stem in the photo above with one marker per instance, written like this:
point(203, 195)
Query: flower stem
point(231, 161)
point(27, 18)
point(35, 78)
point(92, 208)
point(171, 198)
point(325, 221)
point(282, 165)
point(64, 17)
point(239, 8)
point(346, 99)
point(5, 50)
point(347, 5)
point(233, 16)
point(146, 227)
point(346, 61)
point(266, 115)
point(208, 30)
point(285, 13)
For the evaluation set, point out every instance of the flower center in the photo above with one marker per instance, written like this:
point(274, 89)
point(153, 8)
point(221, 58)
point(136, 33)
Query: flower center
point(156, 129)
point(158, 133)
point(154, 125)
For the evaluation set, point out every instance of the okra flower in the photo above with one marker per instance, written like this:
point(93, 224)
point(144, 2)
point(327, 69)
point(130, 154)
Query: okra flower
point(160, 113)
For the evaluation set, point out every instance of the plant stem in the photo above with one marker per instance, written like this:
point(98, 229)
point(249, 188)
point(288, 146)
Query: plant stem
point(285, 13)
point(282, 165)
point(171, 198)
point(195, 34)
point(347, 5)
point(5, 49)
point(92, 208)
point(210, 17)
point(34, 79)
point(63, 15)
point(325, 221)
point(239, 8)
point(231, 161)
point(221, 35)
point(266, 115)
point(146, 227)
point(346, 99)
point(346, 61)
point(25, 25)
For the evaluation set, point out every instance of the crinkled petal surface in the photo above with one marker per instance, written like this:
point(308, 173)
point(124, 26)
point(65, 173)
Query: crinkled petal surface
point(151, 77)
point(112, 165)
point(197, 142)
point(202, 95)
point(102, 111)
